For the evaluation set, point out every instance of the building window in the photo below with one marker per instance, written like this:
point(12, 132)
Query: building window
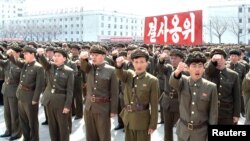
point(72, 39)
point(126, 26)
point(60, 20)
point(248, 20)
point(121, 20)
point(66, 19)
point(77, 18)
point(120, 26)
point(109, 18)
point(135, 21)
point(240, 9)
point(249, 41)
point(248, 9)
point(66, 39)
point(102, 18)
point(71, 19)
point(109, 25)
point(120, 33)
point(115, 33)
point(115, 19)
point(240, 20)
point(66, 32)
point(127, 20)
point(132, 21)
point(109, 32)
point(115, 26)
point(240, 30)
point(72, 25)
point(72, 32)
point(126, 33)
point(102, 32)
point(66, 26)
point(77, 39)
point(132, 27)
point(102, 25)
point(77, 25)
point(77, 32)
point(248, 31)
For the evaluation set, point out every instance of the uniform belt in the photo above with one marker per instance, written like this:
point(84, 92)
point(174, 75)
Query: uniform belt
point(95, 99)
point(192, 126)
point(11, 82)
point(25, 88)
point(56, 91)
point(137, 107)
point(224, 104)
point(172, 95)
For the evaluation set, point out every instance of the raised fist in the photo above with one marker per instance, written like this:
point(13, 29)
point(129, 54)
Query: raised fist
point(84, 55)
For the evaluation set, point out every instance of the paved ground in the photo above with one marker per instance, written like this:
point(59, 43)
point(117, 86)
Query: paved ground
point(78, 133)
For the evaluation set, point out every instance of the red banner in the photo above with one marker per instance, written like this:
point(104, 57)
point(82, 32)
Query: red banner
point(180, 28)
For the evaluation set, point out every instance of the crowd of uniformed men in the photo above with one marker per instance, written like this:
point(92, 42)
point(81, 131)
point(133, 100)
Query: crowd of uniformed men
point(194, 86)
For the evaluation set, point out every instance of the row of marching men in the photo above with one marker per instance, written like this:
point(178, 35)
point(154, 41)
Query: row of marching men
point(185, 96)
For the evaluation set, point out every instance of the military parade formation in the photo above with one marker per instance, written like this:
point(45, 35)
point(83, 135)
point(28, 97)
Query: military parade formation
point(189, 87)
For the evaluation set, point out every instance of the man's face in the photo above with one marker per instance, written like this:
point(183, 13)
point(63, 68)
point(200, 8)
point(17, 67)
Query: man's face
point(196, 70)
point(49, 54)
point(75, 52)
point(58, 59)
point(65, 46)
point(140, 64)
point(28, 57)
point(96, 58)
point(175, 60)
point(234, 58)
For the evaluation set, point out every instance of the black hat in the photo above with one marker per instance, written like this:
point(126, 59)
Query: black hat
point(50, 48)
point(195, 49)
point(29, 49)
point(166, 48)
point(61, 51)
point(120, 46)
point(195, 57)
point(97, 49)
point(177, 52)
point(122, 53)
point(77, 46)
point(14, 46)
point(139, 53)
point(235, 52)
point(218, 51)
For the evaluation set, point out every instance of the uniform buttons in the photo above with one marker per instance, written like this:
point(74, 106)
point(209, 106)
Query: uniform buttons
point(135, 85)
point(192, 121)
point(23, 75)
point(193, 103)
point(97, 74)
point(221, 78)
point(95, 81)
point(56, 73)
point(131, 102)
point(137, 78)
point(194, 93)
point(195, 85)
point(192, 112)
point(219, 93)
point(54, 86)
point(21, 81)
point(220, 86)
point(25, 70)
point(220, 72)
point(94, 88)
point(54, 79)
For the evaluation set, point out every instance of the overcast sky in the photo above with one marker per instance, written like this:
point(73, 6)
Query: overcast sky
point(138, 7)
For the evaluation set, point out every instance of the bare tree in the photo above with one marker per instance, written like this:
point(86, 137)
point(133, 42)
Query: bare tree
point(218, 26)
point(235, 28)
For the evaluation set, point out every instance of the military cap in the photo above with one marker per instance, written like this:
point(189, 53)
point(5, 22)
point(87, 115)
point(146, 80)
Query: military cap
point(77, 46)
point(131, 47)
point(122, 53)
point(85, 47)
point(29, 49)
point(61, 51)
point(139, 53)
point(34, 44)
point(120, 46)
point(194, 49)
point(235, 52)
point(166, 48)
point(14, 46)
point(97, 49)
point(218, 51)
point(177, 52)
point(50, 48)
point(195, 57)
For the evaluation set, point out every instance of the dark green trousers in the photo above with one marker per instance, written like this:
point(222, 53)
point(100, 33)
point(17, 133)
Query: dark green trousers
point(136, 135)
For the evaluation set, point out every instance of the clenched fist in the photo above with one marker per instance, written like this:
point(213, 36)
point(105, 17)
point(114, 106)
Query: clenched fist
point(181, 67)
point(119, 61)
point(84, 55)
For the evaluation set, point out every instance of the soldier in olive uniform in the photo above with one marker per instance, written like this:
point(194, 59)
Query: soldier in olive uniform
point(240, 68)
point(246, 95)
point(140, 94)
point(12, 77)
point(58, 94)
point(28, 92)
point(198, 99)
point(228, 87)
point(102, 94)
point(77, 105)
point(169, 99)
